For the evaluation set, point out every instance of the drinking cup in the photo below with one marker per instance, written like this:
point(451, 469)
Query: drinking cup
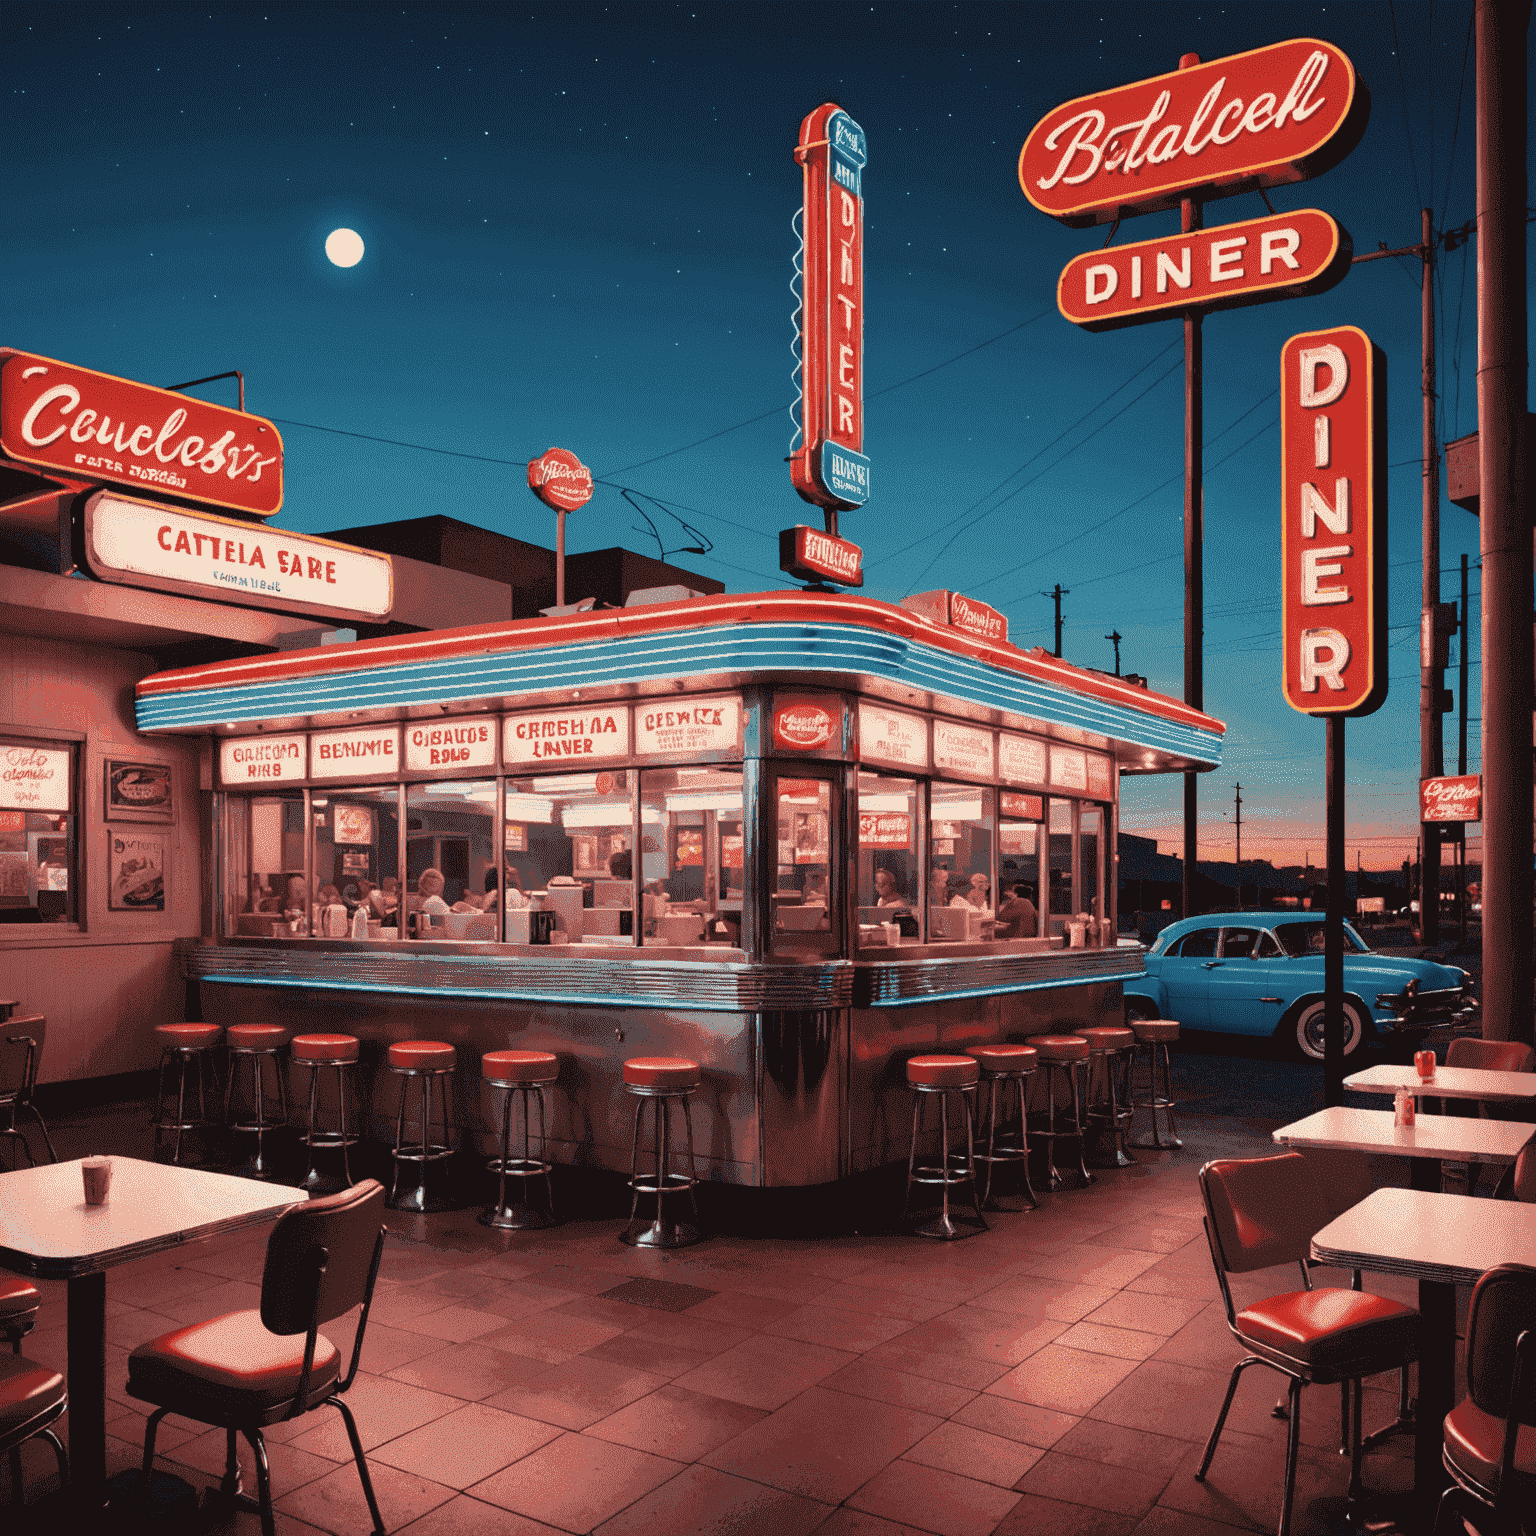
point(1424, 1062)
point(96, 1173)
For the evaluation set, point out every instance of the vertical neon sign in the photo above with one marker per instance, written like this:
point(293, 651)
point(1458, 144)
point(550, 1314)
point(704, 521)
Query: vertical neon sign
point(828, 466)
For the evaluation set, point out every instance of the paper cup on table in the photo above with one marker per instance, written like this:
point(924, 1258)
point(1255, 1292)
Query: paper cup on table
point(1424, 1062)
point(96, 1172)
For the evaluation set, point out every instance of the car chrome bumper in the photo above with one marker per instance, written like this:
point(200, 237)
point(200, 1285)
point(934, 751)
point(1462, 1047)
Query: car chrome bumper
point(1427, 1010)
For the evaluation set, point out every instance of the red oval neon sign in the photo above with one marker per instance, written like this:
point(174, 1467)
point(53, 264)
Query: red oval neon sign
point(1264, 118)
point(560, 480)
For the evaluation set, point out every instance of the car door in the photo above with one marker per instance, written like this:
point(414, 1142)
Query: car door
point(1241, 994)
point(1186, 977)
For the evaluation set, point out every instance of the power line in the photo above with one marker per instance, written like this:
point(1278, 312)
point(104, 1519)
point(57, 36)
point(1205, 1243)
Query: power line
point(1402, 89)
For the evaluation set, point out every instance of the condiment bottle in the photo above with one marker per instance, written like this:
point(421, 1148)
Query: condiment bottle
point(1402, 1109)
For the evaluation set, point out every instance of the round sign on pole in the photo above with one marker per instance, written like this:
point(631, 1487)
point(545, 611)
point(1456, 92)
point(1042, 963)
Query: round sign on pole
point(560, 480)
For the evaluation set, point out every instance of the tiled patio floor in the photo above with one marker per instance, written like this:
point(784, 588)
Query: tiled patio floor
point(1055, 1375)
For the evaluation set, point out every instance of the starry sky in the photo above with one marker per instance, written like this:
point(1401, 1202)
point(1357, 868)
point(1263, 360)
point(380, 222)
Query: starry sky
point(578, 231)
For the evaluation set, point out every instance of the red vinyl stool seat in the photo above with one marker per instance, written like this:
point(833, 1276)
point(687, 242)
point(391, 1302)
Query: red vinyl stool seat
point(429, 1061)
point(338, 1054)
point(257, 1044)
point(32, 1399)
point(1109, 1047)
point(1061, 1055)
point(1009, 1067)
point(182, 1045)
point(19, 1301)
point(523, 1075)
point(1154, 1036)
point(944, 1075)
point(664, 1080)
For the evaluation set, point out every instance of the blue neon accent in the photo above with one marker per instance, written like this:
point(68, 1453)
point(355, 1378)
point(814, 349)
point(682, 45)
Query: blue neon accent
point(677, 655)
point(995, 989)
point(845, 473)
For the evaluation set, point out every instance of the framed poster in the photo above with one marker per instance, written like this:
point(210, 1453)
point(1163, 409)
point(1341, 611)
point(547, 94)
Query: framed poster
point(136, 871)
point(140, 791)
point(353, 824)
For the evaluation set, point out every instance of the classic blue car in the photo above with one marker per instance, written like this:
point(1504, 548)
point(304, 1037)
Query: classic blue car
point(1261, 973)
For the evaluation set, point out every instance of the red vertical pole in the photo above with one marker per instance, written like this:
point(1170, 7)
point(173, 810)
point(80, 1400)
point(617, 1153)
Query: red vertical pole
point(1194, 538)
point(1504, 518)
point(1333, 927)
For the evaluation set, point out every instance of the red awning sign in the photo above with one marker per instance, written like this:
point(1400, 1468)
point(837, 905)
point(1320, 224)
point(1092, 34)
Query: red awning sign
point(1281, 256)
point(1265, 118)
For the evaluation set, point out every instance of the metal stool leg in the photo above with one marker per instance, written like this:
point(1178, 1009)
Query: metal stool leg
point(1077, 1121)
point(665, 1231)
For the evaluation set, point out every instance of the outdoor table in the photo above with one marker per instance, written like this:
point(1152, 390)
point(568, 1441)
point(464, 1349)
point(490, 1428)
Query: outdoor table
point(1442, 1241)
point(1448, 1083)
point(47, 1230)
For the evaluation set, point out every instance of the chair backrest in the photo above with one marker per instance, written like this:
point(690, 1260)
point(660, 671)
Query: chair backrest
point(1503, 1307)
point(22, 1037)
point(1262, 1210)
point(347, 1227)
point(1523, 1181)
point(1490, 1055)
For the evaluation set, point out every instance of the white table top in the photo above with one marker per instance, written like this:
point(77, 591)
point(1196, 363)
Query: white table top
point(1428, 1235)
point(1447, 1083)
point(47, 1229)
point(1437, 1136)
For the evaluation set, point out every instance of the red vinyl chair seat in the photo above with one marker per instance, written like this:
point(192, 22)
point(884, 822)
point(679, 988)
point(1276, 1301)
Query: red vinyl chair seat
point(230, 1367)
point(943, 1071)
point(31, 1397)
point(515, 1067)
point(1474, 1440)
point(661, 1072)
point(257, 1037)
point(1108, 1037)
point(325, 1048)
point(1005, 1058)
point(422, 1056)
point(1155, 1031)
point(188, 1037)
point(18, 1299)
point(1060, 1047)
point(1328, 1327)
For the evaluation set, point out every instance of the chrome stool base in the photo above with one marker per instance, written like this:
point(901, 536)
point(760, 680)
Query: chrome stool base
point(1006, 1146)
point(322, 1140)
point(423, 1152)
point(184, 1057)
point(1109, 1117)
point(519, 1216)
point(1154, 1100)
point(1054, 1178)
point(664, 1231)
point(951, 1168)
point(260, 1164)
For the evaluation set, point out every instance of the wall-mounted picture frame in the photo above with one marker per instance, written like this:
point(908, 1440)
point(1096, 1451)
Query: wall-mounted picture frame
point(136, 870)
point(140, 791)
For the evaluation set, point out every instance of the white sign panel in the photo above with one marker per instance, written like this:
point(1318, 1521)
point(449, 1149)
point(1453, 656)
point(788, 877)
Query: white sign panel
point(33, 779)
point(218, 557)
point(1069, 768)
point(888, 737)
point(682, 726)
point(261, 760)
point(354, 754)
point(451, 744)
point(569, 735)
point(1100, 778)
point(962, 749)
point(1020, 760)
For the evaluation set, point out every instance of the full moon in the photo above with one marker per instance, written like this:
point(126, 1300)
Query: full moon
point(344, 247)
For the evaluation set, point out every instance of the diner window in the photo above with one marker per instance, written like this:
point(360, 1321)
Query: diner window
point(888, 872)
point(568, 851)
point(961, 821)
point(266, 888)
point(39, 834)
point(691, 856)
point(1060, 901)
point(1090, 854)
point(805, 906)
point(1018, 847)
point(356, 861)
point(449, 848)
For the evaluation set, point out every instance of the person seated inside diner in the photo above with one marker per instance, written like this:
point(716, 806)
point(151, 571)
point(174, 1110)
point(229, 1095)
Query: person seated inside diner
point(621, 864)
point(263, 897)
point(815, 888)
point(1016, 917)
point(886, 894)
point(329, 895)
point(938, 886)
point(428, 897)
point(973, 892)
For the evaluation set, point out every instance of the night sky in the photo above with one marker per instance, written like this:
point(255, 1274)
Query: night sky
point(577, 222)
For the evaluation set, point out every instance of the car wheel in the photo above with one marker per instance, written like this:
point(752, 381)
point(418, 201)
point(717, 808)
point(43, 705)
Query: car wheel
point(1139, 1008)
point(1308, 1029)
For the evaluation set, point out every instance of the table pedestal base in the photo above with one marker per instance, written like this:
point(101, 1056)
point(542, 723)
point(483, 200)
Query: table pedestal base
point(86, 1332)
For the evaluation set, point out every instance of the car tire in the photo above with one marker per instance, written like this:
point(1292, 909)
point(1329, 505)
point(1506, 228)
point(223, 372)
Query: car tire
point(1140, 1008)
point(1305, 1030)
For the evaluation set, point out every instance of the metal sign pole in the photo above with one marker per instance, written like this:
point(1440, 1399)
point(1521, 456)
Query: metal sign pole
point(1333, 929)
point(1194, 537)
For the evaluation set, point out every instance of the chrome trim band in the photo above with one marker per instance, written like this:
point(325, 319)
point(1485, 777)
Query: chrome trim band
point(899, 984)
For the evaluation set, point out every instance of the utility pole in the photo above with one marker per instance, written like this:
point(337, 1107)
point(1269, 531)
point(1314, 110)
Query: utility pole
point(1461, 746)
point(1116, 637)
point(1238, 822)
point(1058, 592)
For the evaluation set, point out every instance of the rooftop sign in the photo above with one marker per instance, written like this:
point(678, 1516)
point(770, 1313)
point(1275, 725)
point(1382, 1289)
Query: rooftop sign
point(1265, 118)
point(95, 426)
point(560, 480)
point(809, 555)
point(959, 612)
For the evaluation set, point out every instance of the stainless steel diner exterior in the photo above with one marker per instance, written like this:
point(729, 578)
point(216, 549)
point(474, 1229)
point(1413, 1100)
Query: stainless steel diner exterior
point(722, 778)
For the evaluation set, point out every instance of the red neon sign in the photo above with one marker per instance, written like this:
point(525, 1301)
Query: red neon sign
point(100, 428)
point(1264, 118)
point(1281, 256)
point(1457, 798)
point(1333, 539)
point(829, 467)
point(811, 555)
point(560, 480)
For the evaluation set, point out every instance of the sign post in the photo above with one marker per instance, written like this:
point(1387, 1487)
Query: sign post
point(1333, 547)
point(560, 480)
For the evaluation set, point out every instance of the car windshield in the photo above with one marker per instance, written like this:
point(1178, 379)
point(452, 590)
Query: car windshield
point(1307, 939)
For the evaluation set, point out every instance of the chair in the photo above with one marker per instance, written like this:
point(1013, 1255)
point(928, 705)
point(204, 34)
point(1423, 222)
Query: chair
point(181, 1045)
point(1155, 1035)
point(1060, 1054)
point(1522, 1182)
point(1010, 1066)
point(32, 1400)
point(1490, 1436)
point(1486, 1056)
point(19, 1301)
point(340, 1054)
point(663, 1080)
point(1263, 1211)
point(246, 1370)
point(427, 1061)
point(1109, 1049)
point(944, 1075)
point(22, 1038)
point(257, 1044)
point(522, 1075)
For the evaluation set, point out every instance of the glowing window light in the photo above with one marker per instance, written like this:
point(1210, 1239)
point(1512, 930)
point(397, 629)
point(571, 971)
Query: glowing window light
point(884, 803)
point(566, 784)
point(596, 813)
point(957, 808)
point(705, 800)
point(650, 815)
point(529, 807)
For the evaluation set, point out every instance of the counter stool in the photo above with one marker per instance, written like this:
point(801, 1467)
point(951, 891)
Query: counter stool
point(19, 1301)
point(944, 1075)
point(523, 1073)
point(663, 1080)
point(1010, 1066)
point(182, 1044)
point(1109, 1046)
point(428, 1061)
point(340, 1054)
point(1060, 1054)
point(257, 1044)
point(1156, 1035)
